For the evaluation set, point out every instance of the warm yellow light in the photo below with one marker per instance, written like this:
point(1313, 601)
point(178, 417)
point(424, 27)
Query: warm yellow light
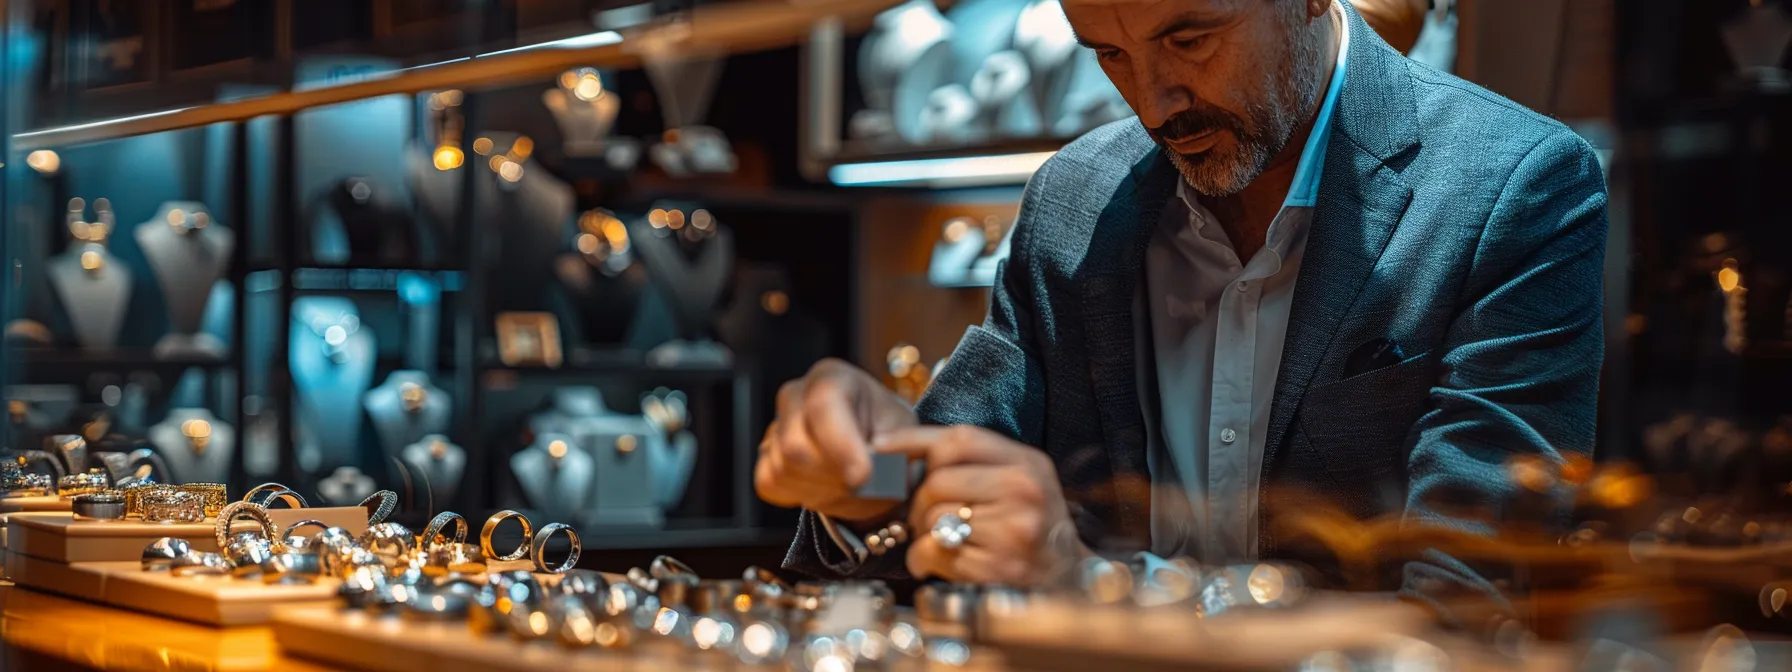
point(538, 622)
point(625, 444)
point(44, 161)
point(706, 633)
point(482, 146)
point(1728, 279)
point(91, 260)
point(616, 233)
point(177, 217)
point(522, 148)
point(657, 218)
point(451, 97)
point(511, 171)
point(439, 602)
point(759, 639)
point(497, 162)
point(775, 302)
point(557, 449)
point(589, 88)
point(449, 157)
point(956, 229)
point(587, 243)
point(606, 635)
point(675, 219)
point(569, 79)
point(703, 220)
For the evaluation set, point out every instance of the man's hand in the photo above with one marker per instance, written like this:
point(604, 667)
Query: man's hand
point(817, 453)
point(1021, 529)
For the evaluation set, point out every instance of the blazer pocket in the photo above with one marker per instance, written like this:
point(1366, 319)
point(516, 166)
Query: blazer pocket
point(1360, 423)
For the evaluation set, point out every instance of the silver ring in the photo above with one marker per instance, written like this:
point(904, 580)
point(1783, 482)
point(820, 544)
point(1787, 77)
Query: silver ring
point(434, 529)
point(254, 511)
point(387, 503)
point(291, 567)
point(953, 529)
point(195, 564)
point(161, 554)
point(266, 493)
point(309, 522)
point(103, 505)
point(538, 548)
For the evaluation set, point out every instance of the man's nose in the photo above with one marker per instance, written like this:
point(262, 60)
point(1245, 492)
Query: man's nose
point(1162, 95)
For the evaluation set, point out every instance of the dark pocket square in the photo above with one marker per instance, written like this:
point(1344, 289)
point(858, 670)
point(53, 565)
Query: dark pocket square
point(1377, 354)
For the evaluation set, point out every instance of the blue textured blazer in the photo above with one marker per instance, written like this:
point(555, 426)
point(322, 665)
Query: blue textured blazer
point(1452, 221)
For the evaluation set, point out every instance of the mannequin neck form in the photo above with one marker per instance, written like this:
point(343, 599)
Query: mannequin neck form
point(579, 401)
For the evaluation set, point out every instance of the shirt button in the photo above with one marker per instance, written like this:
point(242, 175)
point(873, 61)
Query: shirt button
point(1228, 436)
point(1244, 286)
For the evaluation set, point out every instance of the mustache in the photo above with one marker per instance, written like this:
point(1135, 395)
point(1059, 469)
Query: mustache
point(1198, 120)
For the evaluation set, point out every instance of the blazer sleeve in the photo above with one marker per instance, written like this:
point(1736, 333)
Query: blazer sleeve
point(1520, 363)
point(993, 380)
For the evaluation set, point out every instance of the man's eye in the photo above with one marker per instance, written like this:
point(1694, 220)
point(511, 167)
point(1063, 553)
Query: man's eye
point(1107, 54)
point(1189, 43)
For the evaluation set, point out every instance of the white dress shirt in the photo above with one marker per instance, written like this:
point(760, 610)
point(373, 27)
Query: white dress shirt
point(1217, 328)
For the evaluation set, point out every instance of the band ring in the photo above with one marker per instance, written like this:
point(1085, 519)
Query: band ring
point(434, 529)
point(953, 529)
point(385, 502)
point(491, 526)
point(103, 505)
point(538, 548)
point(266, 493)
point(309, 522)
point(258, 514)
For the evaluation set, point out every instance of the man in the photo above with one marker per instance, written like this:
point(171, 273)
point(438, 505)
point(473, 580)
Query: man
point(1308, 266)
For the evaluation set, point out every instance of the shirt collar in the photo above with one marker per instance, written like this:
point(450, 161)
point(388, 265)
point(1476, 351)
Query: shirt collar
point(1304, 192)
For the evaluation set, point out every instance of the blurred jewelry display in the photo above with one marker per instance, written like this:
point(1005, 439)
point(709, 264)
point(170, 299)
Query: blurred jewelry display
point(135, 493)
point(20, 483)
point(93, 286)
point(440, 462)
point(332, 359)
point(629, 491)
point(672, 464)
point(529, 339)
point(213, 497)
point(684, 77)
point(406, 408)
point(688, 254)
point(585, 111)
point(555, 475)
point(188, 251)
point(345, 486)
point(71, 449)
point(1757, 40)
point(902, 61)
point(196, 445)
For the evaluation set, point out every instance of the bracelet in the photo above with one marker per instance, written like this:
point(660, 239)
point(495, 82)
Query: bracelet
point(491, 526)
point(20, 483)
point(102, 506)
point(538, 549)
point(134, 494)
point(172, 506)
point(886, 538)
point(212, 496)
point(73, 485)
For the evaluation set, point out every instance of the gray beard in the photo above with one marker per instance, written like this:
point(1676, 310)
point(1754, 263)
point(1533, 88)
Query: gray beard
point(1294, 88)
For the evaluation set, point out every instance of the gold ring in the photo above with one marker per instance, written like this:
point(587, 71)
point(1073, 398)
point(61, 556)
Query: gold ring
point(211, 496)
point(133, 497)
point(491, 525)
point(268, 492)
point(254, 511)
point(434, 530)
point(538, 548)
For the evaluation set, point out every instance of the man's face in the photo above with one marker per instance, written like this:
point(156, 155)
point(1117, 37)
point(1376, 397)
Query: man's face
point(1221, 84)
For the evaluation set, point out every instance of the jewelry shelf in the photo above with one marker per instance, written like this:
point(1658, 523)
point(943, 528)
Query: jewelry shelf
point(40, 364)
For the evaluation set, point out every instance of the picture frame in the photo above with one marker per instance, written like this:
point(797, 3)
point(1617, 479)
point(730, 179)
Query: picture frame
point(529, 339)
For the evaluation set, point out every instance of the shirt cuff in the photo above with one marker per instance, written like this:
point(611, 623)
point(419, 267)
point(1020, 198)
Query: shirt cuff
point(848, 543)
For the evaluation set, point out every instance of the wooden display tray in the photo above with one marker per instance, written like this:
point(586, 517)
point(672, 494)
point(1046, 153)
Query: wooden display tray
point(211, 600)
point(1068, 636)
point(386, 643)
point(12, 505)
point(61, 538)
point(80, 580)
point(63, 632)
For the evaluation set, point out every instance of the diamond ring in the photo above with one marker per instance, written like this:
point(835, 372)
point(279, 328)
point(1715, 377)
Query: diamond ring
point(953, 529)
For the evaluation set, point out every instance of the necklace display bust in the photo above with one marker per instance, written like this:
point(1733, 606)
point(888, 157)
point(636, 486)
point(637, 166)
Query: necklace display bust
point(441, 463)
point(555, 475)
point(332, 359)
point(93, 285)
point(619, 447)
point(406, 408)
point(188, 251)
point(196, 445)
point(346, 486)
point(689, 257)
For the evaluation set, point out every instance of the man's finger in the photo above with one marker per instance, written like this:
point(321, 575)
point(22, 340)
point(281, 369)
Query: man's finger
point(946, 446)
point(966, 564)
point(832, 420)
point(947, 489)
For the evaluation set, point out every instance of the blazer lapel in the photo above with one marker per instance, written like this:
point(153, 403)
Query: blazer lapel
point(1361, 201)
point(1112, 272)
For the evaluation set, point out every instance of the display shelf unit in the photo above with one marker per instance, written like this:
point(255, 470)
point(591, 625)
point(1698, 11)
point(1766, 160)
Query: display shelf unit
point(466, 367)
